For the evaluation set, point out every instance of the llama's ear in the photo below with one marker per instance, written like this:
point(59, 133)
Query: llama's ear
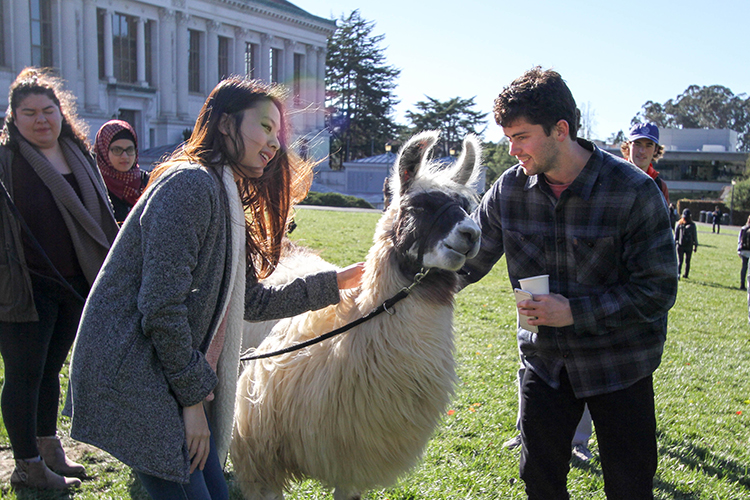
point(468, 164)
point(411, 157)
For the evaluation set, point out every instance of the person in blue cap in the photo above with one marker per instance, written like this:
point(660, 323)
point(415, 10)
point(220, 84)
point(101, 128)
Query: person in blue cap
point(642, 149)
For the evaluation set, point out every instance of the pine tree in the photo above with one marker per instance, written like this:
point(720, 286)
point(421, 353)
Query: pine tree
point(360, 86)
point(454, 118)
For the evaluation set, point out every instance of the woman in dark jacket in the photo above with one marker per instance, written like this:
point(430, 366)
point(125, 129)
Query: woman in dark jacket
point(116, 149)
point(686, 239)
point(53, 182)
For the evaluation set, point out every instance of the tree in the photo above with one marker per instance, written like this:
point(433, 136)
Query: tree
point(360, 86)
point(712, 106)
point(617, 138)
point(454, 118)
point(741, 195)
point(497, 159)
point(588, 121)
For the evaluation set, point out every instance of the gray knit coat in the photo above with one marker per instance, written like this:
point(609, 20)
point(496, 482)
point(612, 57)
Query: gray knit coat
point(139, 357)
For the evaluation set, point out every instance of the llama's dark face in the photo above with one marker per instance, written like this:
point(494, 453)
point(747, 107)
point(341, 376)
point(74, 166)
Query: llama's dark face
point(432, 228)
point(434, 231)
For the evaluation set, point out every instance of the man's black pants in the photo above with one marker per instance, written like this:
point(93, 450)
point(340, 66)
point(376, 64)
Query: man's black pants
point(625, 428)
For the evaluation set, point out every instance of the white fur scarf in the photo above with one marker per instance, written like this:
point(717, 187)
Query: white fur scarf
point(221, 409)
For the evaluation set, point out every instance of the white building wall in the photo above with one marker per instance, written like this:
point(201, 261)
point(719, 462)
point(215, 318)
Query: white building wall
point(164, 107)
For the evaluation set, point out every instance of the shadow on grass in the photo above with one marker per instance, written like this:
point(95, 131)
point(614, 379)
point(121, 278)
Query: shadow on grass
point(709, 284)
point(697, 458)
point(674, 493)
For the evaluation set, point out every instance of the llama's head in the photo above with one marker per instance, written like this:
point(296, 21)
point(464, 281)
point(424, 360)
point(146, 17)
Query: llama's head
point(431, 206)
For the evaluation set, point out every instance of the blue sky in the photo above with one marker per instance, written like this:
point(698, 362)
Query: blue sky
point(615, 56)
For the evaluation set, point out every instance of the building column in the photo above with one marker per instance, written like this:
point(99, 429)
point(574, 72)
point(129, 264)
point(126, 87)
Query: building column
point(264, 58)
point(320, 83)
point(90, 58)
point(240, 35)
point(109, 73)
point(69, 39)
point(182, 65)
point(166, 64)
point(288, 76)
point(212, 54)
point(310, 87)
point(140, 52)
point(21, 53)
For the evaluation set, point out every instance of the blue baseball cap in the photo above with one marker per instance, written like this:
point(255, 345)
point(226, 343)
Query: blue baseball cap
point(644, 131)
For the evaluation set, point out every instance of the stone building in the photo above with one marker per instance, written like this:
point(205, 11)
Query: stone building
point(153, 62)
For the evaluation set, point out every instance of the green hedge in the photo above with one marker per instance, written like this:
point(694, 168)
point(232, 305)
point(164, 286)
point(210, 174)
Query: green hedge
point(334, 200)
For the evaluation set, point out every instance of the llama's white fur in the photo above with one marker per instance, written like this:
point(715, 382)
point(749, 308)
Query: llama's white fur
point(354, 411)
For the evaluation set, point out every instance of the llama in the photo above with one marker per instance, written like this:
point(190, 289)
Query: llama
point(356, 411)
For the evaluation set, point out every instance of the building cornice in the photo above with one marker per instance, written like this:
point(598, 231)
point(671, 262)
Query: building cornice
point(282, 11)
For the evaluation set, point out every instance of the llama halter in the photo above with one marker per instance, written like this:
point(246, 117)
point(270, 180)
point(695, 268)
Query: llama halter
point(381, 308)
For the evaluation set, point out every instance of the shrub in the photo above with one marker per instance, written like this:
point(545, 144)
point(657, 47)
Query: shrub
point(334, 200)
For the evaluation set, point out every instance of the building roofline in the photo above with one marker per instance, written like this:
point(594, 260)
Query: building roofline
point(284, 11)
point(677, 155)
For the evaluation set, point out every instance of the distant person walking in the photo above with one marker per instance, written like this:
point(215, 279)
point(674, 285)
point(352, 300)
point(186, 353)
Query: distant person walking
point(686, 239)
point(716, 228)
point(743, 250)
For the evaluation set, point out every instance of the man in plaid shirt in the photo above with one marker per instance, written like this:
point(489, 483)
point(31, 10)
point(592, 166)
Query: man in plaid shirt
point(599, 227)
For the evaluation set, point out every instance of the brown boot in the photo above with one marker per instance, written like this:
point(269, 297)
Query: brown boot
point(37, 475)
point(51, 450)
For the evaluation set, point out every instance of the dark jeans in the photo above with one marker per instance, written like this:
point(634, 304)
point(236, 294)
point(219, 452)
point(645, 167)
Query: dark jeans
point(625, 428)
point(743, 272)
point(684, 253)
point(33, 353)
point(206, 484)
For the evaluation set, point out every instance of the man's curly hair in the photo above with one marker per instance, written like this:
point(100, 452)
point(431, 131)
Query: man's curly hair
point(542, 98)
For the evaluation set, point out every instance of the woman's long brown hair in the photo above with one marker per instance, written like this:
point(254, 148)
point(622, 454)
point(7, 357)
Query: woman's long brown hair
point(267, 200)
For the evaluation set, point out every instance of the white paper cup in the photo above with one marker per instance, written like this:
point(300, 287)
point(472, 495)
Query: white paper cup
point(537, 285)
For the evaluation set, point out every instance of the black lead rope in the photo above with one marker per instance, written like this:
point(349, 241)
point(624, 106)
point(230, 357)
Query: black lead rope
point(384, 307)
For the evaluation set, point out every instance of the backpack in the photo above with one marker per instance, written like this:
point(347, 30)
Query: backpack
point(746, 239)
point(686, 237)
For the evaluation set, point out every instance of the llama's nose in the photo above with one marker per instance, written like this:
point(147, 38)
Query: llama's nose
point(470, 231)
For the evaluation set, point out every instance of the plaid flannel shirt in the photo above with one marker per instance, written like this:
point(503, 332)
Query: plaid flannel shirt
point(607, 247)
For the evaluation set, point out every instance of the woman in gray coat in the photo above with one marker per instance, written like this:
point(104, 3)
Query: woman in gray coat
point(159, 341)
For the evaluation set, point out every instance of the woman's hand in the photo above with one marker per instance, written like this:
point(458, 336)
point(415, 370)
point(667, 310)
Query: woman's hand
point(197, 435)
point(350, 276)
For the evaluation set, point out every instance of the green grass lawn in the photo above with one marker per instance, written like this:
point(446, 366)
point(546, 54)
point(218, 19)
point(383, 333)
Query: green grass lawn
point(702, 389)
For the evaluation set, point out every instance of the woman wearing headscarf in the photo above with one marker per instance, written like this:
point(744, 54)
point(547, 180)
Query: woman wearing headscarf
point(116, 149)
point(56, 227)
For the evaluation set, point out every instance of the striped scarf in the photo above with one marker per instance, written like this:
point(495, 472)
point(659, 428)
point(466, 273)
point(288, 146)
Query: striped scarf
point(124, 185)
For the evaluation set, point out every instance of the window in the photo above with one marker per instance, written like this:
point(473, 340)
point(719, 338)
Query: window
point(275, 65)
point(147, 32)
point(297, 83)
point(41, 32)
point(223, 57)
point(250, 60)
point(100, 16)
point(194, 61)
point(124, 48)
